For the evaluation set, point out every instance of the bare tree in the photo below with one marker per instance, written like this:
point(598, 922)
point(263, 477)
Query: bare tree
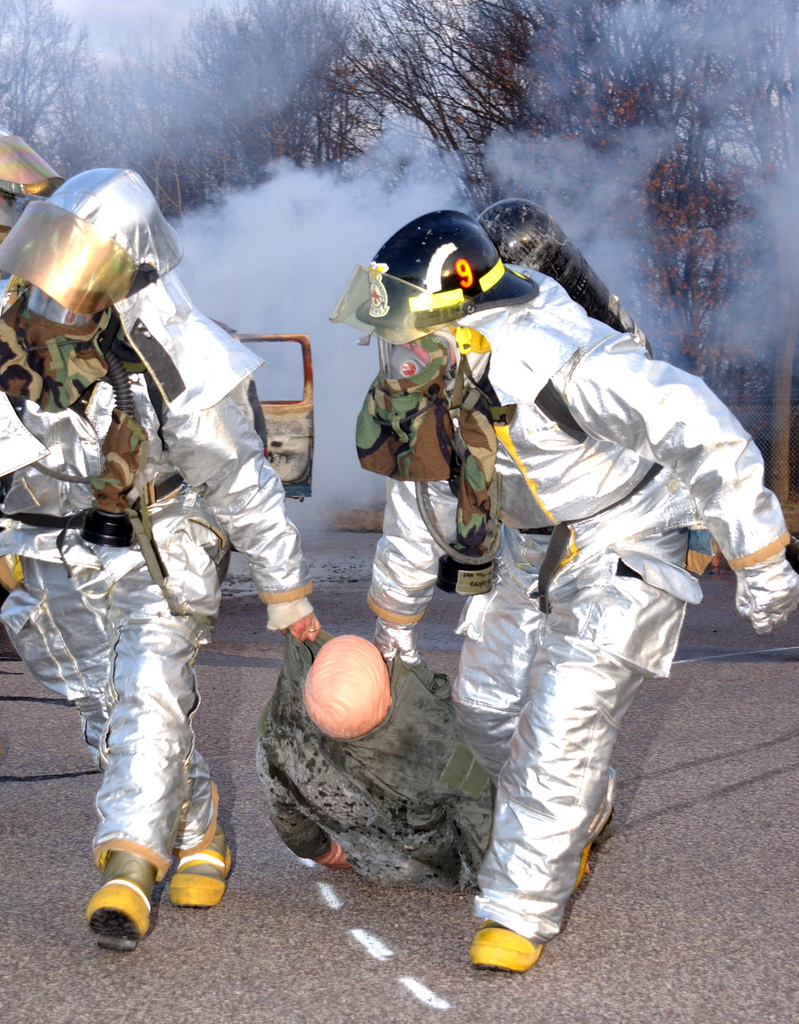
point(252, 86)
point(767, 121)
point(460, 70)
point(45, 65)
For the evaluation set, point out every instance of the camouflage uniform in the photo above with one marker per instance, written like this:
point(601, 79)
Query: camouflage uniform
point(407, 802)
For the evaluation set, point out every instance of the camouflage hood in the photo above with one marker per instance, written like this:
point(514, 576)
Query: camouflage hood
point(405, 431)
point(51, 364)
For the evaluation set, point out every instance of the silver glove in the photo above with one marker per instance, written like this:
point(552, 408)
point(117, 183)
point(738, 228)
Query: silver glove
point(391, 639)
point(767, 593)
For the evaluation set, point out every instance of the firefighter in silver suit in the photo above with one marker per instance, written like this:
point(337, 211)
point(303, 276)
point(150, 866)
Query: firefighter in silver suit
point(131, 468)
point(577, 470)
point(23, 174)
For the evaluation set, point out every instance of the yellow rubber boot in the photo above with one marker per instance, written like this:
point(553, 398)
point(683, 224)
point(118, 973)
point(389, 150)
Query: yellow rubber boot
point(596, 836)
point(119, 912)
point(199, 880)
point(497, 948)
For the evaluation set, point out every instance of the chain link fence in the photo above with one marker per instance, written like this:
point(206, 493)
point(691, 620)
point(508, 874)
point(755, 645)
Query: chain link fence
point(758, 418)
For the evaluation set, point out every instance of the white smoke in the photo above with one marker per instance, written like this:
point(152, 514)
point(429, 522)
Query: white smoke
point(583, 191)
point(276, 259)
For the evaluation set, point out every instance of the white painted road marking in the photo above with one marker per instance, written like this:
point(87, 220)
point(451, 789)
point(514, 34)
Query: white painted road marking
point(329, 896)
point(423, 993)
point(372, 945)
point(735, 654)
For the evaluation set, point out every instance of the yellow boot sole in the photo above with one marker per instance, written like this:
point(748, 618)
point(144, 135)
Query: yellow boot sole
point(190, 889)
point(500, 949)
point(583, 866)
point(119, 914)
point(583, 869)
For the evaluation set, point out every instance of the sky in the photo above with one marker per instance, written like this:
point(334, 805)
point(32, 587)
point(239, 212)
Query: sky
point(114, 22)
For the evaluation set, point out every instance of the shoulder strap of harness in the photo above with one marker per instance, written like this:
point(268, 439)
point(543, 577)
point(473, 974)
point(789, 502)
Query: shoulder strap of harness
point(550, 401)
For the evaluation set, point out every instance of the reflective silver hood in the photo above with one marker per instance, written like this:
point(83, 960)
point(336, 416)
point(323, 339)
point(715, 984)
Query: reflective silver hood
point(23, 171)
point(98, 239)
point(119, 205)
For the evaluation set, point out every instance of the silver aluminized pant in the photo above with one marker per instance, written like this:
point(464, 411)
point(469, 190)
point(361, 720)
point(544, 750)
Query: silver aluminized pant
point(126, 660)
point(540, 700)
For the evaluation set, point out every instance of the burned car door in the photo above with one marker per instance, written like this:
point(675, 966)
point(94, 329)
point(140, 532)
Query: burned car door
point(285, 397)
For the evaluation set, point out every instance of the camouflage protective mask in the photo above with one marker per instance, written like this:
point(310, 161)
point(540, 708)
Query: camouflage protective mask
point(405, 432)
point(48, 363)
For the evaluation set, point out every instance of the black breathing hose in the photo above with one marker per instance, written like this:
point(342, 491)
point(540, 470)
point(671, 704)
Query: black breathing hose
point(120, 382)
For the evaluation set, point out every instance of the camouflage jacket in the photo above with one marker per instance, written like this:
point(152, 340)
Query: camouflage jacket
point(407, 802)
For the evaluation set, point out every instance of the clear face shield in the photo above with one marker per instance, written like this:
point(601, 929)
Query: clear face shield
point(395, 310)
point(401, 362)
point(63, 255)
point(22, 171)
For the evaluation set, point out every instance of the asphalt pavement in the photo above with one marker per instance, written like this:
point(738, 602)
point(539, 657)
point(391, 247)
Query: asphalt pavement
point(689, 915)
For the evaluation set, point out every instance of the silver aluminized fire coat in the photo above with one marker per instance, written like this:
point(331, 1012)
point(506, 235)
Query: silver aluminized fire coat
point(90, 620)
point(540, 697)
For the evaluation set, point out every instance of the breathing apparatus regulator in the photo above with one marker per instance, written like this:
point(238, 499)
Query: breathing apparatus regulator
point(53, 356)
point(431, 273)
point(113, 529)
point(101, 525)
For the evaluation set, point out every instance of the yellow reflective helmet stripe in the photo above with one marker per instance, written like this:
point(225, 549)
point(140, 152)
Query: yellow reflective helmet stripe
point(440, 300)
point(437, 300)
point(494, 276)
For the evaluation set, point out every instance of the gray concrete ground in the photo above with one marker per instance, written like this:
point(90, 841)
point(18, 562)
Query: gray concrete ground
point(689, 915)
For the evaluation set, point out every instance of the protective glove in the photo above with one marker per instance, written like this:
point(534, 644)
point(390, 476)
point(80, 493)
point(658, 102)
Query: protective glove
point(391, 639)
point(767, 593)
